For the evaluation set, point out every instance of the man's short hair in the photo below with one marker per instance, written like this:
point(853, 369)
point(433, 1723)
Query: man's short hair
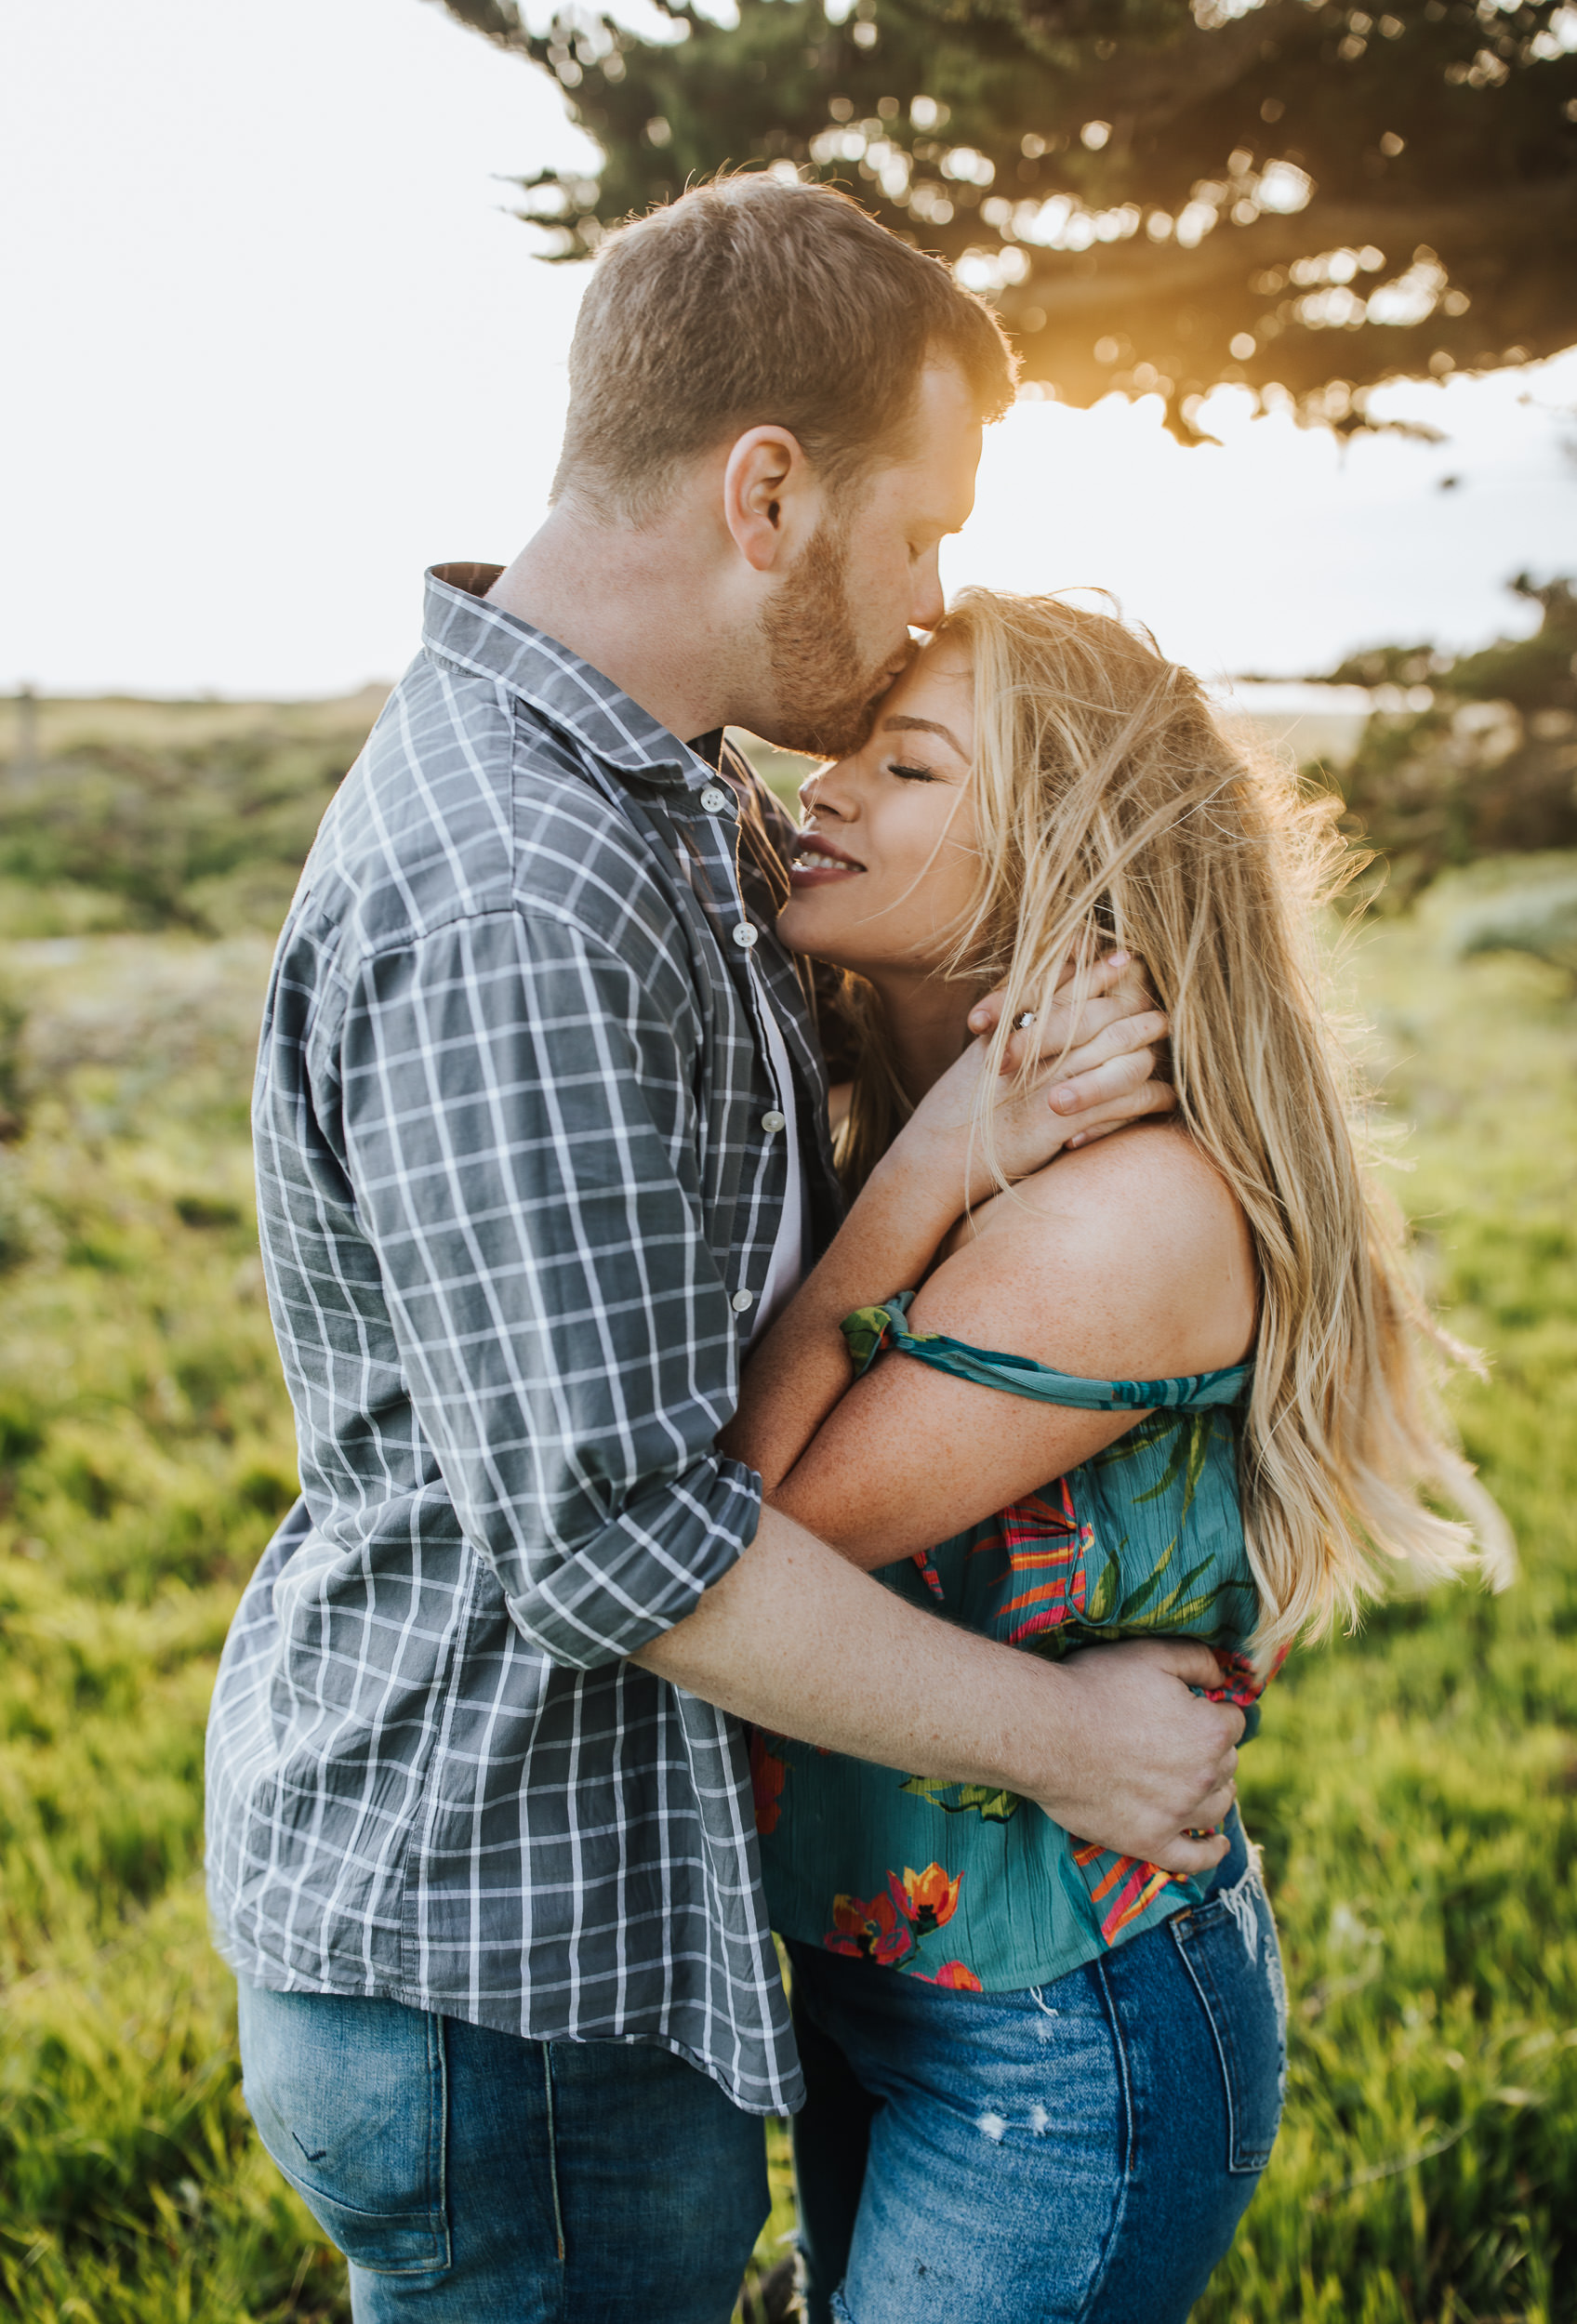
point(753, 301)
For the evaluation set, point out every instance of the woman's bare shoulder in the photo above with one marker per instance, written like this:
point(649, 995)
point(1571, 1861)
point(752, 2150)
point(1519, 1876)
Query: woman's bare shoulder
point(1149, 1162)
point(1129, 1257)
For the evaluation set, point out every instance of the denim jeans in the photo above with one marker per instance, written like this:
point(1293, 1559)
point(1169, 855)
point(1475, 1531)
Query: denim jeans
point(471, 2178)
point(1082, 2150)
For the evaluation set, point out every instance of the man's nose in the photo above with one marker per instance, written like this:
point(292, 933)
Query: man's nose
point(928, 604)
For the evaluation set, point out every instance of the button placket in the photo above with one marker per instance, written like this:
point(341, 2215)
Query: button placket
point(745, 935)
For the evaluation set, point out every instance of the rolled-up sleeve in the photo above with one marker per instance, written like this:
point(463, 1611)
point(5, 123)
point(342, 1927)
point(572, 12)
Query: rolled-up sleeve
point(519, 1132)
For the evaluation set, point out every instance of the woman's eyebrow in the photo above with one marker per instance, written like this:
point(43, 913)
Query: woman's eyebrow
point(901, 725)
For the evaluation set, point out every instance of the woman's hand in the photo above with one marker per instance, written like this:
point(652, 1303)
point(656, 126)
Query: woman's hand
point(925, 1184)
point(1115, 996)
point(1098, 1060)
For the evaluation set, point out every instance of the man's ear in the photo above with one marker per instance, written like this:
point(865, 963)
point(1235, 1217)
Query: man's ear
point(768, 497)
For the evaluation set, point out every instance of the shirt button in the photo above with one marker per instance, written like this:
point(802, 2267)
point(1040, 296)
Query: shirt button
point(742, 1301)
point(745, 935)
point(774, 1122)
point(714, 800)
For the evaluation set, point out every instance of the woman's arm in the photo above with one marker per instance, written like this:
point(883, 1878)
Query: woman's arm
point(1126, 1261)
point(911, 1202)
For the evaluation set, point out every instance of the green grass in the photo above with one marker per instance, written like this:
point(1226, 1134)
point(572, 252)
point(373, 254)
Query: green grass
point(125, 815)
point(1415, 1787)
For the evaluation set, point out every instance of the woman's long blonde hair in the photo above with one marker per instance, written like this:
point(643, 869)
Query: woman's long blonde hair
point(1111, 808)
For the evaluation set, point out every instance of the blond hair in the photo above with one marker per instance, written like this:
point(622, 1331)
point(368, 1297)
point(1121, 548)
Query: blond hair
point(1112, 808)
point(752, 302)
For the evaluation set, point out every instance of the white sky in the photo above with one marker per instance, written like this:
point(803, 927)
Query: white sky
point(272, 346)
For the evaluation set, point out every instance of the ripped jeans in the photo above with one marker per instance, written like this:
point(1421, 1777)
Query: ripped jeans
point(1083, 2150)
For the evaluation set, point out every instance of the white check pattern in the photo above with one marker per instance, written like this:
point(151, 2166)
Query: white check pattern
point(513, 1185)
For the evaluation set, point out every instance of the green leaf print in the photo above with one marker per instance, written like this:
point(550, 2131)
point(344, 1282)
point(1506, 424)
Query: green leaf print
point(993, 1806)
point(1151, 1583)
point(1190, 1449)
point(1104, 1596)
point(1125, 1448)
point(1170, 1606)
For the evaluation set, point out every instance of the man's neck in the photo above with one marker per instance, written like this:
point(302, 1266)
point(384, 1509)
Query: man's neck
point(642, 607)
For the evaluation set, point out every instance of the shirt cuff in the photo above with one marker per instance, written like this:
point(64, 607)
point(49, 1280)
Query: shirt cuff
point(646, 1569)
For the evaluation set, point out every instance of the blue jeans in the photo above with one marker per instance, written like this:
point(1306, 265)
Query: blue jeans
point(1081, 2151)
point(471, 2178)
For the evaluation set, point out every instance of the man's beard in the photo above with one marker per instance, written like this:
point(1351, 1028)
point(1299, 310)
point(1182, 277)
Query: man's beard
point(824, 700)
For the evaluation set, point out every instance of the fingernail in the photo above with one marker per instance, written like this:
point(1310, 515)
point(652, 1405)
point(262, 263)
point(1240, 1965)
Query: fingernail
point(977, 1020)
point(1118, 959)
point(1064, 1097)
point(1074, 1143)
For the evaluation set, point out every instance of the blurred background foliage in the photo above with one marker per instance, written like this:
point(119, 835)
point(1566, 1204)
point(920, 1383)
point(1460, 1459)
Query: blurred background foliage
point(1469, 755)
point(131, 815)
point(1306, 198)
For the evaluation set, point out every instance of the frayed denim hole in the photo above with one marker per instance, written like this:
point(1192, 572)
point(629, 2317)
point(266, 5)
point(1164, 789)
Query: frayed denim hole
point(1047, 2013)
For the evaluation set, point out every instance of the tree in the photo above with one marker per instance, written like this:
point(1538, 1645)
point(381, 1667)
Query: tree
point(1468, 756)
point(1301, 197)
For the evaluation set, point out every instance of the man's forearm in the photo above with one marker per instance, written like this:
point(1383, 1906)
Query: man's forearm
point(1117, 1750)
point(797, 1639)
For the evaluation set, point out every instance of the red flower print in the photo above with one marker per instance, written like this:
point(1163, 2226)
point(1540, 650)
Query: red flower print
point(927, 1898)
point(888, 1928)
point(767, 1774)
point(877, 1931)
point(956, 1975)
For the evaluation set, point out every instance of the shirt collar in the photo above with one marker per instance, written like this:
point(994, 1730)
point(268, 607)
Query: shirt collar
point(567, 691)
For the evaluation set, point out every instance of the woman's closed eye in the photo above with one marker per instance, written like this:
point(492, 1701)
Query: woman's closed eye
point(910, 775)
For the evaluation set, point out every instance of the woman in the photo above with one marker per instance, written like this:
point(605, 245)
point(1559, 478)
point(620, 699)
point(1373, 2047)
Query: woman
point(1045, 2079)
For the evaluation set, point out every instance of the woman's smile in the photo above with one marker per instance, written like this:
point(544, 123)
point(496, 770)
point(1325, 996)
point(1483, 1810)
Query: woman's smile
point(818, 864)
point(894, 821)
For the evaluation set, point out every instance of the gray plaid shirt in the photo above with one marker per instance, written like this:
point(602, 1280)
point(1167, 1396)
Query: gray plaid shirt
point(520, 1170)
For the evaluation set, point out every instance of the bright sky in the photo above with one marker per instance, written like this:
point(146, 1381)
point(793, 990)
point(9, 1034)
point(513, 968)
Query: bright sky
point(272, 346)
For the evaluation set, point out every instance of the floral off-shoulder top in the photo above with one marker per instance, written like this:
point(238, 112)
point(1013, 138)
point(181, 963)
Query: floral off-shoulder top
point(966, 1886)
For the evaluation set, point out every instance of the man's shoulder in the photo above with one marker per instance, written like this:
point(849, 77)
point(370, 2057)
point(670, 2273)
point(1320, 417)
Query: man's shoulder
point(466, 804)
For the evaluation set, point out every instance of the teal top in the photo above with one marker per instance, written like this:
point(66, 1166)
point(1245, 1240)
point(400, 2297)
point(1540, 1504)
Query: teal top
point(966, 1886)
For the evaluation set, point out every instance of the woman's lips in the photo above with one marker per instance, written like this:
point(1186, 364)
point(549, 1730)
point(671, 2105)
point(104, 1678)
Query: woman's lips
point(818, 864)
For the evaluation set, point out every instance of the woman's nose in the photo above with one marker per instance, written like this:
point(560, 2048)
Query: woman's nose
point(826, 790)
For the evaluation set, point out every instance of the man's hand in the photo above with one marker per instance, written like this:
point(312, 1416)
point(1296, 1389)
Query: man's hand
point(1140, 1761)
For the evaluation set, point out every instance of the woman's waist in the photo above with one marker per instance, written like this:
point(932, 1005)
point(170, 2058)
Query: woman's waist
point(962, 1884)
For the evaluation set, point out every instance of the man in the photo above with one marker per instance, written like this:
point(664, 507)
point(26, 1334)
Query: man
point(539, 1127)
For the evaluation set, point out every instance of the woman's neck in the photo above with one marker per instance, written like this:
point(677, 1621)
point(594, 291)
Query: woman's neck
point(927, 1026)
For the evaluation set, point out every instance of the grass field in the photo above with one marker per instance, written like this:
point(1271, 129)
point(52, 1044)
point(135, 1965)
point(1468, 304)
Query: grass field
point(1415, 1787)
